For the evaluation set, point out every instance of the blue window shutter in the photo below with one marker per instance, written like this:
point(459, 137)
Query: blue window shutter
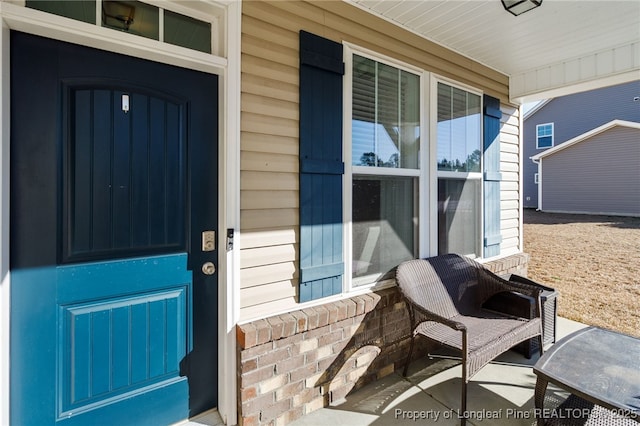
point(492, 176)
point(321, 167)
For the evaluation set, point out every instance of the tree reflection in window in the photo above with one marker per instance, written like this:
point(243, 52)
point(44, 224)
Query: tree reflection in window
point(385, 115)
point(471, 164)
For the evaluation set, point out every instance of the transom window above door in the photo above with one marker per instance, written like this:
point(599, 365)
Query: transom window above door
point(135, 17)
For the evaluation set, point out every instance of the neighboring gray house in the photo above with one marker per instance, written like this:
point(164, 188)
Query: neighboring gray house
point(561, 119)
point(597, 172)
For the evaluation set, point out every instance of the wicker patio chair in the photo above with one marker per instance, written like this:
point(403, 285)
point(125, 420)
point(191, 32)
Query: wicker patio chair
point(445, 294)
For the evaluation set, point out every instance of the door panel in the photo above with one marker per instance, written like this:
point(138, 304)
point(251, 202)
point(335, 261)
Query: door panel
point(125, 339)
point(126, 187)
point(113, 181)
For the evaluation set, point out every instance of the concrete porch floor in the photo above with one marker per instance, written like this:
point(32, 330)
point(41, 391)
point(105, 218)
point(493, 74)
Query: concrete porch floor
point(500, 394)
point(208, 418)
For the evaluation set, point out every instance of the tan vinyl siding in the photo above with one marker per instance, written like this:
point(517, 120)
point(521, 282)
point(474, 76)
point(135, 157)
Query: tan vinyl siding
point(252, 221)
point(510, 185)
point(269, 129)
point(275, 236)
point(272, 144)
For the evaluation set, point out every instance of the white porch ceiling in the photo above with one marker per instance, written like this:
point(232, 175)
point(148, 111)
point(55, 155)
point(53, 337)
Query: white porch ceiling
point(561, 47)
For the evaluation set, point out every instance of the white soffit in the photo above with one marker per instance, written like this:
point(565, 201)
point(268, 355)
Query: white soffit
point(561, 47)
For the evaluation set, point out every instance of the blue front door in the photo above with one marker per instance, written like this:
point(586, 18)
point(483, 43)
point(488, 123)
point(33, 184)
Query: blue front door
point(113, 215)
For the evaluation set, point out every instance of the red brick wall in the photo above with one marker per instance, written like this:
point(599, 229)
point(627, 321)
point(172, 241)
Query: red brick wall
point(295, 363)
point(514, 264)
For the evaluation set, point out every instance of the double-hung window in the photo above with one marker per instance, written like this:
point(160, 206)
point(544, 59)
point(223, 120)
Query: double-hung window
point(409, 192)
point(459, 155)
point(544, 136)
point(384, 167)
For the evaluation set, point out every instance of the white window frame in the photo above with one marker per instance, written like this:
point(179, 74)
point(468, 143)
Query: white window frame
point(435, 174)
point(552, 136)
point(536, 178)
point(427, 173)
point(422, 173)
point(214, 14)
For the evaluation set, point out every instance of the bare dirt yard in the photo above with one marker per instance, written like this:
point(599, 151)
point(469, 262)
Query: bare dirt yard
point(592, 261)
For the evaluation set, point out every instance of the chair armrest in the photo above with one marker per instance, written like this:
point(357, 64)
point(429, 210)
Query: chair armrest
point(515, 283)
point(526, 288)
point(522, 280)
point(420, 315)
point(494, 284)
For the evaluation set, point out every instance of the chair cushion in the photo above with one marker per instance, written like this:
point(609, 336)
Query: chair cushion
point(489, 336)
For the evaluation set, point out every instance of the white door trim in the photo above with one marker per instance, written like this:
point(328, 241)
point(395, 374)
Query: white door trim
point(5, 280)
point(17, 17)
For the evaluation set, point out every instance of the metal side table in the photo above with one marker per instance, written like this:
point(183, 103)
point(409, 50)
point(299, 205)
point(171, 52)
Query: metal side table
point(601, 369)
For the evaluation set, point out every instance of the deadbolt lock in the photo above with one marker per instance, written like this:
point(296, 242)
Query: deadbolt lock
point(208, 240)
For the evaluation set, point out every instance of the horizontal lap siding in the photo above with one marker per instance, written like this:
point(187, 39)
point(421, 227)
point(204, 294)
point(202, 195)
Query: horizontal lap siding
point(598, 175)
point(269, 164)
point(510, 185)
point(269, 130)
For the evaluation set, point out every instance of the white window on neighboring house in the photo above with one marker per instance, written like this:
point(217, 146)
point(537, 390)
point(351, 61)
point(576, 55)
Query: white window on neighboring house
point(535, 178)
point(544, 136)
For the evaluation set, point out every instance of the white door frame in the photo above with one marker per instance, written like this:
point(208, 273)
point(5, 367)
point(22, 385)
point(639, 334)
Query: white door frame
point(14, 16)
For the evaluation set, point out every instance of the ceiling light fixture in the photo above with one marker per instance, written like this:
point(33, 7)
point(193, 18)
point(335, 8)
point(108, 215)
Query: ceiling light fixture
point(518, 7)
point(118, 15)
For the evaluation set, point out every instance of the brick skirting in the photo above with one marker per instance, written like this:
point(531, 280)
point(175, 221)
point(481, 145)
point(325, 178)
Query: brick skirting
point(292, 364)
point(514, 264)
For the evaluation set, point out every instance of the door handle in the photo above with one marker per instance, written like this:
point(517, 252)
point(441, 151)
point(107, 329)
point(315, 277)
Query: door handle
point(208, 268)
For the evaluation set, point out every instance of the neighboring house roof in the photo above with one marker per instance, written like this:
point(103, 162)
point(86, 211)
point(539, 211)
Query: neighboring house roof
point(536, 108)
point(585, 136)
